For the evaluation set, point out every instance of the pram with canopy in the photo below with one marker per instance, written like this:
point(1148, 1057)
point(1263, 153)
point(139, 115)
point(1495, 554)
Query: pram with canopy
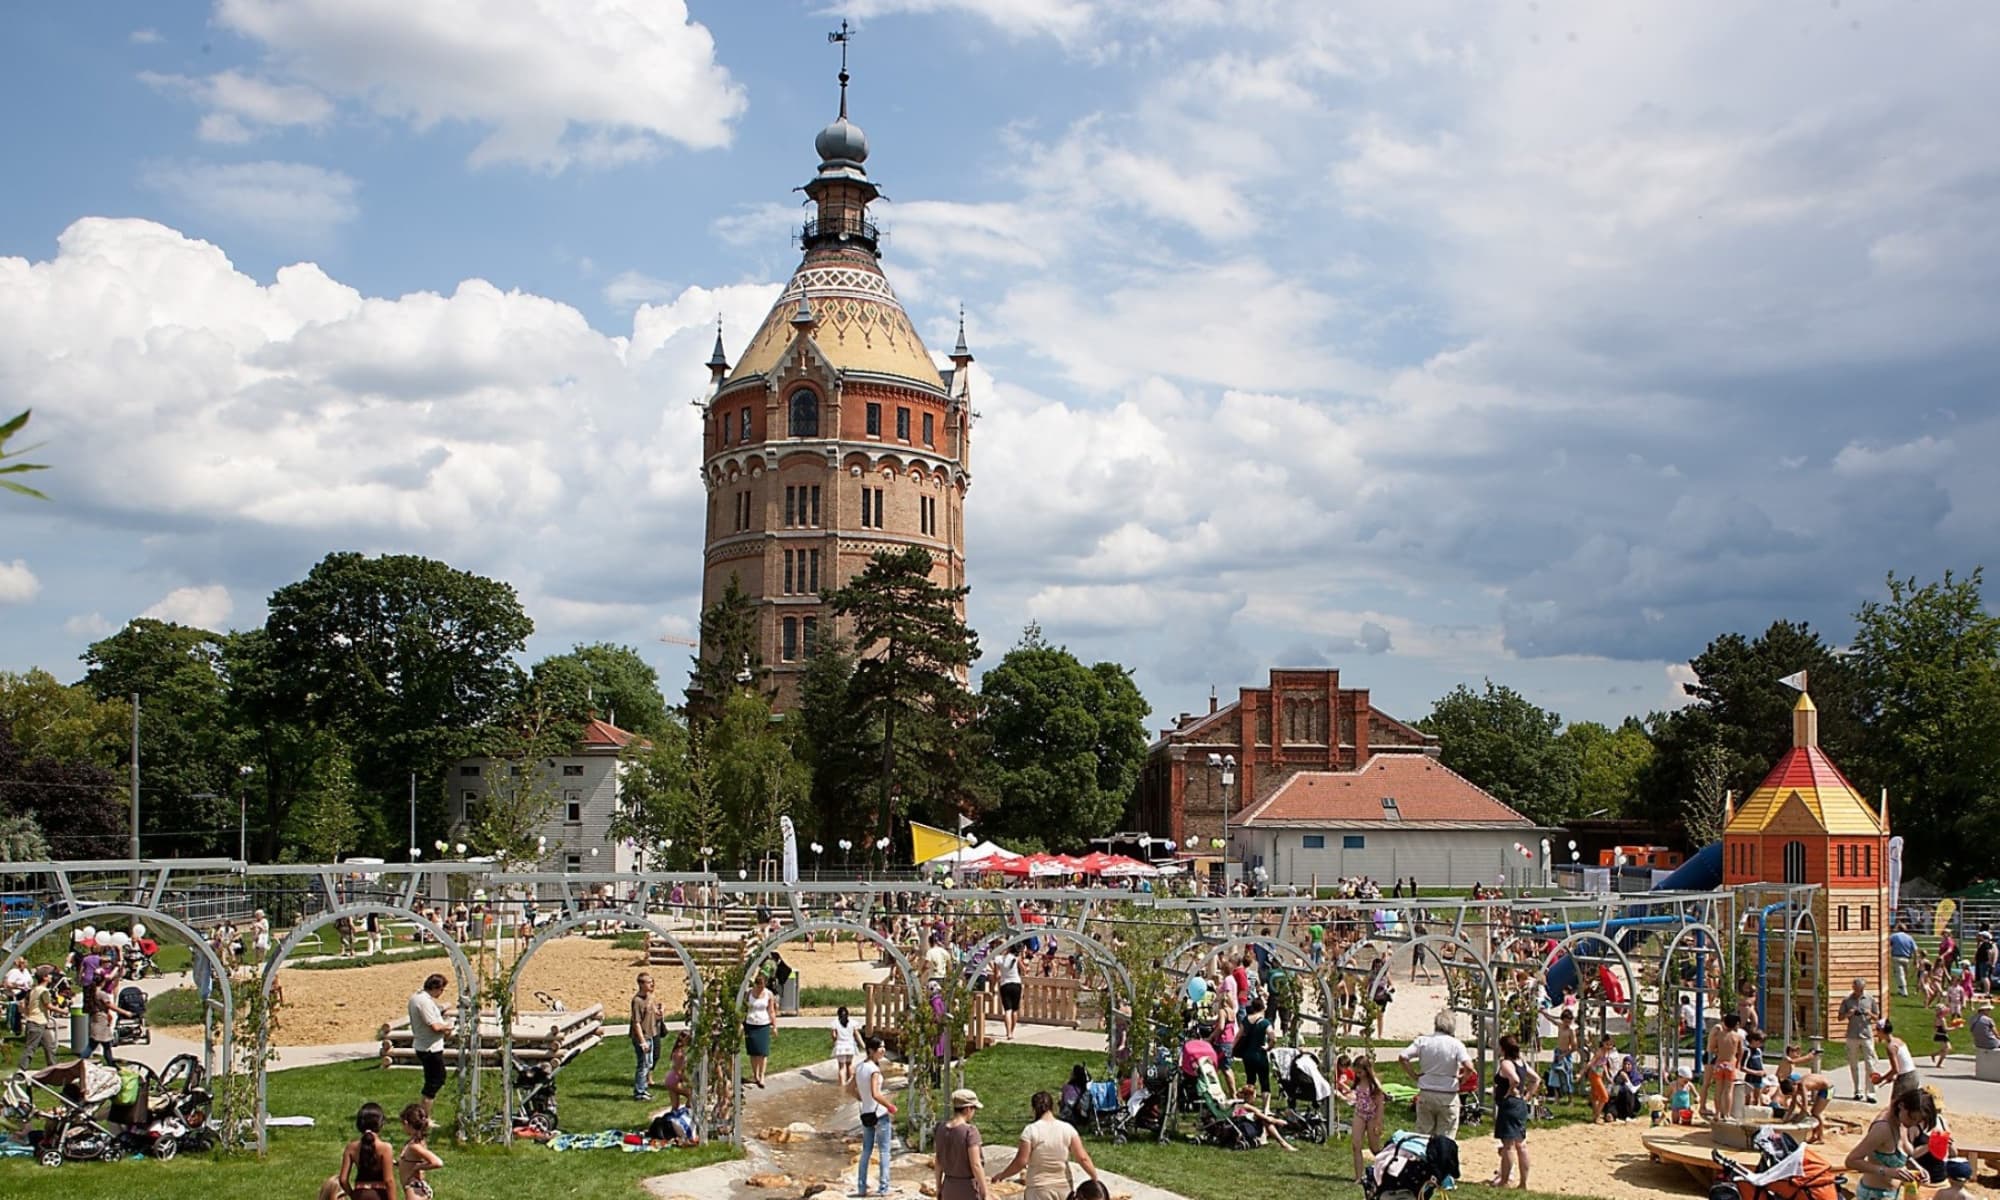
point(1799, 1175)
point(1306, 1092)
point(1412, 1166)
point(131, 1026)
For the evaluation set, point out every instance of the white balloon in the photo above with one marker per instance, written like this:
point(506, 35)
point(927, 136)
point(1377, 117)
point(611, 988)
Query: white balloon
point(138, 931)
point(77, 937)
point(89, 932)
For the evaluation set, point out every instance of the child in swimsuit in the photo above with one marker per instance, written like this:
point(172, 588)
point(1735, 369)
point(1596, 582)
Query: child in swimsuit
point(1884, 1152)
point(417, 1156)
point(366, 1165)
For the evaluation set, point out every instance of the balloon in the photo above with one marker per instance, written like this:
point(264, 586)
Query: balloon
point(89, 933)
point(77, 937)
point(138, 931)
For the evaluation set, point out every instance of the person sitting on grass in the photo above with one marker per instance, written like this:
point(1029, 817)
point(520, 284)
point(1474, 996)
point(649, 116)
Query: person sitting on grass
point(1249, 1117)
point(368, 1164)
point(1805, 1099)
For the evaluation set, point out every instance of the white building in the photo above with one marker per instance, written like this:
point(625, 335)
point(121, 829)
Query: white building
point(1399, 815)
point(585, 786)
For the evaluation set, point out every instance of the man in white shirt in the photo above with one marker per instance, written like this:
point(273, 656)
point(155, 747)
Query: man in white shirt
point(427, 1029)
point(1439, 1062)
point(937, 959)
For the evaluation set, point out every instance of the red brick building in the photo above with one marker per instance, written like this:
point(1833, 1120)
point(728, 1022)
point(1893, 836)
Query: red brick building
point(1301, 720)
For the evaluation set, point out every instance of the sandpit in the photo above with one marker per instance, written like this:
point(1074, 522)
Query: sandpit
point(341, 1007)
point(1607, 1160)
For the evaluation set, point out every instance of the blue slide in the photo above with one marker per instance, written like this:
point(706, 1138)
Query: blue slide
point(1701, 873)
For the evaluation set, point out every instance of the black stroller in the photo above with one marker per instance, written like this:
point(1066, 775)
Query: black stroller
point(535, 1097)
point(132, 1027)
point(1412, 1166)
point(1306, 1092)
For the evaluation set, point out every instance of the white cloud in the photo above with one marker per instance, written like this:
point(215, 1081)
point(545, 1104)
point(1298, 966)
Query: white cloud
point(18, 584)
point(629, 289)
point(202, 607)
point(241, 106)
point(551, 81)
point(292, 201)
point(91, 625)
point(145, 37)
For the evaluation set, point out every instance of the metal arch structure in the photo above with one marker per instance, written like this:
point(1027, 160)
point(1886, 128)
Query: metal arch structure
point(769, 946)
point(572, 920)
point(1212, 944)
point(195, 940)
point(1717, 948)
point(1474, 959)
point(466, 1035)
point(1009, 936)
point(1566, 948)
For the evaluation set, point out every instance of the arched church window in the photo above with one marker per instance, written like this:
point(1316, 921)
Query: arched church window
point(1795, 862)
point(805, 413)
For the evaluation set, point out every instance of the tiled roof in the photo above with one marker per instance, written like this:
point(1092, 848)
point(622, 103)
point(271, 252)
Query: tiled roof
point(1806, 772)
point(1424, 789)
point(604, 735)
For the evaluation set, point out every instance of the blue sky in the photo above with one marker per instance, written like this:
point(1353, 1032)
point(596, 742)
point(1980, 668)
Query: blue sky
point(1530, 340)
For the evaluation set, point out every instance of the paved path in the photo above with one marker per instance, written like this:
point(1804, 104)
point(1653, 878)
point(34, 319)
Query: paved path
point(810, 1096)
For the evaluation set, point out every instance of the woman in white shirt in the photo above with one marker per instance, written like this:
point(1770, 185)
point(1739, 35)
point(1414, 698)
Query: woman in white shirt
point(1007, 973)
point(843, 1045)
point(757, 1028)
point(1047, 1146)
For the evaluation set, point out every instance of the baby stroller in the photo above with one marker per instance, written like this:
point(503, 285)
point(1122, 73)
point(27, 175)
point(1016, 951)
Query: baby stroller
point(1471, 1111)
point(1799, 1175)
point(1306, 1092)
point(1144, 1112)
point(1219, 1125)
point(180, 1094)
point(67, 1099)
point(1412, 1166)
point(132, 1026)
point(535, 1096)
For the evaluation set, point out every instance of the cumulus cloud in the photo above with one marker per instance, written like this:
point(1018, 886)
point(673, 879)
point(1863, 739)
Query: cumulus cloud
point(202, 607)
point(274, 199)
point(240, 106)
point(551, 82)
point(91, 626)
point(18, 584)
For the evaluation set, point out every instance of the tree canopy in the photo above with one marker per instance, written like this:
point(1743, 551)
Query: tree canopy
point(1508, 745)
point(1068, 742)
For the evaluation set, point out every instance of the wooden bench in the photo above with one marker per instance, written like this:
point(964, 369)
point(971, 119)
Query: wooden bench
point(1981, 1157)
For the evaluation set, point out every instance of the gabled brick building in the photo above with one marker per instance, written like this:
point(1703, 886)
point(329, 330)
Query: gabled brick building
point(1327, 785)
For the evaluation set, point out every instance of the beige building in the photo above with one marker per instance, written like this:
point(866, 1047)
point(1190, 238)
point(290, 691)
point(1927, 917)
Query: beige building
point(835, 436)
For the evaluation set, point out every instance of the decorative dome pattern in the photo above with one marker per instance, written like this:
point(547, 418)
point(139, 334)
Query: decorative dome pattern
point(861, 326)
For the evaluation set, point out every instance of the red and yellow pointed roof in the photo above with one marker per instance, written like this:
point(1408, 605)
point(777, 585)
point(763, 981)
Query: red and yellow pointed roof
point(1805, 792)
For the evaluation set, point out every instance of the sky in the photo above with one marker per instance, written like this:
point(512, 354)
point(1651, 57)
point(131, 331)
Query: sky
point(1532, 341)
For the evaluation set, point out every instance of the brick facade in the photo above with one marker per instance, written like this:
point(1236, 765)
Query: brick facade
point(1301, 720)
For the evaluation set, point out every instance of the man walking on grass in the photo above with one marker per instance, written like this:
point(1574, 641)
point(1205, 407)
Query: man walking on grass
point(1902, 948)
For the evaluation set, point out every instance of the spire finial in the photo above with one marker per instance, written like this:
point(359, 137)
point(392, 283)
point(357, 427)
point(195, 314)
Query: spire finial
point(718, 361)
point(842, 36)
point(959, 351)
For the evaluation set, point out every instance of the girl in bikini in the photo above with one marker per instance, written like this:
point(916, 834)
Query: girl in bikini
point(1368, 1101)
point(1883, 1154)
point(367, 1165)
point(417, 1156)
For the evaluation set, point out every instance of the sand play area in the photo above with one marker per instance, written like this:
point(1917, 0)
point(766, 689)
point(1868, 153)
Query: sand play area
point(339, 1007)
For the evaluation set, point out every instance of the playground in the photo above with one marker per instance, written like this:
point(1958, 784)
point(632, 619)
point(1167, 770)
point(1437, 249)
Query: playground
point(287, 1028)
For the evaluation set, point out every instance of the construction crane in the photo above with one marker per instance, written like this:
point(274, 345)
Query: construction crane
point(671, 640)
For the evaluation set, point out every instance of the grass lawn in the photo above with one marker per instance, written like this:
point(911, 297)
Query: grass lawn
point(1006, 1076)
point(595, 1094)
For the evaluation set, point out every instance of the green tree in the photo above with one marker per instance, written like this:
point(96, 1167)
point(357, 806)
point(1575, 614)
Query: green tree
point(406, 660)
point(654, 796)
point(187, 745)
point(908, 684)
point(1737, 685)
point(21, 840)
point(604, 680)
point(64, 721)
point(10, 458)
point(76, 803)
point(1705, 806)
point(1929, 663)
point(1610, 763)
point(325, 823)
point(1067, 741)
point(728, 648)
point(834, 744)
point(1508, 745)
point(274, 739)
point(756, 776)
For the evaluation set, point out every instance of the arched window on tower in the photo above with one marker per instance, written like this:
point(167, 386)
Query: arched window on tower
point(1795, 862)
point(805, 413)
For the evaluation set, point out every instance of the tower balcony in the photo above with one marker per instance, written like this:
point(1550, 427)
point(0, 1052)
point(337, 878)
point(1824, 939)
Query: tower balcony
point(840, 231)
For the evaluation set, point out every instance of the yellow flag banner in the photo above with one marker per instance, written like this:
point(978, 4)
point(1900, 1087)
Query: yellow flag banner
point(1946, 909)
point(927, 843)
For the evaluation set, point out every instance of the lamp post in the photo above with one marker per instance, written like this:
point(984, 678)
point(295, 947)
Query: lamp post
point(1225, 763)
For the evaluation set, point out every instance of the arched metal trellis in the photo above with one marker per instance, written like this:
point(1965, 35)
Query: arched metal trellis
point(1708, 945)
point(467, 1032)
point(196, 942)
point(1567, 948)
point(1009, 936)
point(569, 922)
point(762, 955)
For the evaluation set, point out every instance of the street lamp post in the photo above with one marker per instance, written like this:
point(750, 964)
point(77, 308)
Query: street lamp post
point(1225, 763)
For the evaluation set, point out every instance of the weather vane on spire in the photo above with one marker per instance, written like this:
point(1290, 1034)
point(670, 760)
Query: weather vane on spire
point(843, 35)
